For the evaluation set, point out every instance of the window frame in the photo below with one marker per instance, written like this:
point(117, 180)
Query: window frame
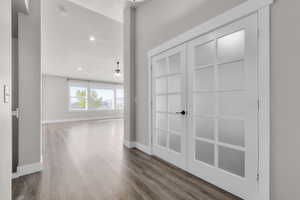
point(72, 97)
point(116, 98)
point(113, 99)
point(89, 87)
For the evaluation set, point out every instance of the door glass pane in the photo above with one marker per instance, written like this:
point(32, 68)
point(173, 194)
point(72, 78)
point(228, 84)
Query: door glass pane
point(174, 103)
point(204, 79)
point(174, 84)
point(231, 47)
point(175, 63)
point(175, 143)
point(232, 103)
point(231, 76)
point(162, 121)
point(161, 85)
point(205, 54)
point(204, 103)
point(205, 127)
point(205, 152)
point(232, 131)
point(161, 103)
point(232, 160)
point(161, 67)
point(162, 138)
point(175, 123)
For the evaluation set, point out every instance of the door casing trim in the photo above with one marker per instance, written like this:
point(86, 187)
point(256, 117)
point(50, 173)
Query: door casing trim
point(262, 8)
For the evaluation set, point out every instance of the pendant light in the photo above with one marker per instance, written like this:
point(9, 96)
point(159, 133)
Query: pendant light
point(118, 70)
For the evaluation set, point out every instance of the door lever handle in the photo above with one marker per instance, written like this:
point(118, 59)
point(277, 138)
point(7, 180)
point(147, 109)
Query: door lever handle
point(182, 112)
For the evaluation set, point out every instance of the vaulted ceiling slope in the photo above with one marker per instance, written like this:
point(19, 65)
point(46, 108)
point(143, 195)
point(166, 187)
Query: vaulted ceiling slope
point(79, 43)
point(110, 8)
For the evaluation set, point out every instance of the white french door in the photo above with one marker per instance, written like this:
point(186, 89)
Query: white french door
point(214, 79)
point(223, 103)
point(169, 105)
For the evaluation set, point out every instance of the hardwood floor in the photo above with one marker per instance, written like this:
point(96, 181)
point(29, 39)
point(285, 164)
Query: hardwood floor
point(87, 161)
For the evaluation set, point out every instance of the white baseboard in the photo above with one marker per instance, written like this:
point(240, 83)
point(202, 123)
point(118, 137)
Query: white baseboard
point(28, 169)
point(79, 119)
point(139, 146)
point(144, 148)
point(128, 144)
point(15, 175)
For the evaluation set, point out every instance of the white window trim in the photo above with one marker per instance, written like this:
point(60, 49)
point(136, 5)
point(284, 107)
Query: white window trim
point(69, 101)
point(262, 7)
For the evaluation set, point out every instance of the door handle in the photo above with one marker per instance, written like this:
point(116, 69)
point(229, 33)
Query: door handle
point(182, 112)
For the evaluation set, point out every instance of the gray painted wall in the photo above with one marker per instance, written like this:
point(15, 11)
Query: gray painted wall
point(15, 103)
point(154, 26)
point(30, 85)
point(285, 98)
point(55, 102)
point(129, 68)
point(156, 22)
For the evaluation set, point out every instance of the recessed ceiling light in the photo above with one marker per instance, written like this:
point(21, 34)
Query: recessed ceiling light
point(79, 69)
point(92, 38)
point(136, 1)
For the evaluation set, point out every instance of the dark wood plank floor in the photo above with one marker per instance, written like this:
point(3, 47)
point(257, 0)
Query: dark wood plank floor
point(87, 161)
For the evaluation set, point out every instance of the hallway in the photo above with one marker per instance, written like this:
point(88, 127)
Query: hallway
point(87, 161)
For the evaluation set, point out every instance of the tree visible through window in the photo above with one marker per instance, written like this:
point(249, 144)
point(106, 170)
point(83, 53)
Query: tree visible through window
point(78, 97)
point(102, 99)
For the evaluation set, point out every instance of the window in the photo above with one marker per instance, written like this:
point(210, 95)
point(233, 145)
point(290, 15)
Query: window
point(120, 99)
point(101, 99)
point(78, 98)
point(88, 96)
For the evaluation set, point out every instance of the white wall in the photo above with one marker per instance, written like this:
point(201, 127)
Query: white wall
point(30, 85)
point(55, 103)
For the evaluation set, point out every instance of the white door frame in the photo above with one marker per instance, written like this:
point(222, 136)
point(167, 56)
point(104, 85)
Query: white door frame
point(262, 8)
point(5, 101)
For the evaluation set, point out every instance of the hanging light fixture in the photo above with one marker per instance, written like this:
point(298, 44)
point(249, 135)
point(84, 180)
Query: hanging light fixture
point(134, 2)
point(118, 70)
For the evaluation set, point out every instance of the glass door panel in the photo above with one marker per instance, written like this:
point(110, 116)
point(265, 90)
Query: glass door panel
point(169, 99)
point(223, 121)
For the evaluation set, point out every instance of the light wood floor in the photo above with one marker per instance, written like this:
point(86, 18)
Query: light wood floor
point(87, 161)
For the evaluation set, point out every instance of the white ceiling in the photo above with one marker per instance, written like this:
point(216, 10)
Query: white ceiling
point(109, 8)
point(66, 46)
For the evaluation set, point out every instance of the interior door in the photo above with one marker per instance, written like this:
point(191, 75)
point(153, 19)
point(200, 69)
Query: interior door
point(169, 106)
point(5, 109)
point(223, 107)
